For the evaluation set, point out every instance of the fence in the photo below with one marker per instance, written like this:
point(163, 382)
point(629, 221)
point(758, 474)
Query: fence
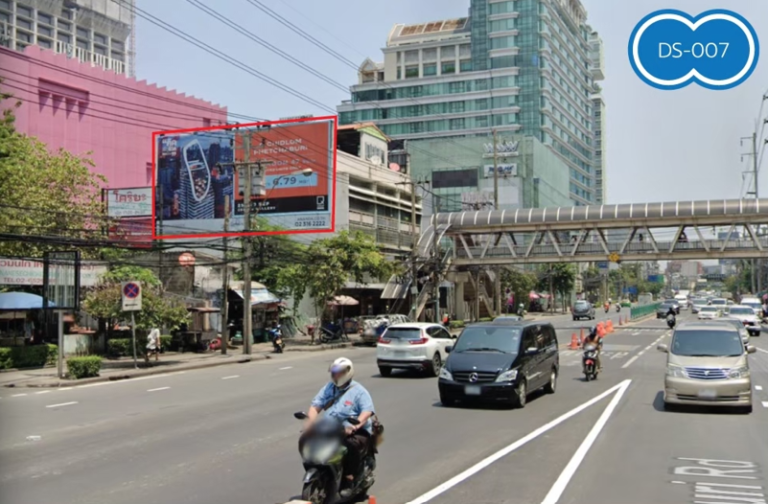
point(637, 312)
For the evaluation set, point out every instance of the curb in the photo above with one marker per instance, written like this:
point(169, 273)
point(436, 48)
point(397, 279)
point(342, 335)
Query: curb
point(317, 348)
point(139, 373)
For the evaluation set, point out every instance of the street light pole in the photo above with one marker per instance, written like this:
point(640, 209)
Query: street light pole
point(497, 270)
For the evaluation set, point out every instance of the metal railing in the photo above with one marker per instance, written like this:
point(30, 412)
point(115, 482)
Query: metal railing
point(637, 312)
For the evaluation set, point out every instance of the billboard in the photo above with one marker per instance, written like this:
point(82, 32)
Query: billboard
point(504, 170)
point(29, 272)
point(198, 171)
point(129, 202)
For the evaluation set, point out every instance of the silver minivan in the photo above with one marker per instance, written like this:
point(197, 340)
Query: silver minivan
point(707, 365)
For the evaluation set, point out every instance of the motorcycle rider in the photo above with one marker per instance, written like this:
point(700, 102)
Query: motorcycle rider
point(593, 339)
point(342, 398)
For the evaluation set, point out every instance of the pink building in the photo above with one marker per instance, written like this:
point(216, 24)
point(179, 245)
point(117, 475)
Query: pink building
point(69, 104)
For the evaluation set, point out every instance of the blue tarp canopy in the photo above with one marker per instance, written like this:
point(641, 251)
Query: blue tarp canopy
point(20, 301)
point(259, 296)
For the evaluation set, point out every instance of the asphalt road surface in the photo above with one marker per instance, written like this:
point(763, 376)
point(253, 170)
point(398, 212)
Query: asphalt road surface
point(227, 435)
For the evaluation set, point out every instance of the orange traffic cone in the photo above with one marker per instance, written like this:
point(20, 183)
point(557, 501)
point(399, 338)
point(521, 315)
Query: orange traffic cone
point(371, 499)
point(609, 328)
point(574, 342)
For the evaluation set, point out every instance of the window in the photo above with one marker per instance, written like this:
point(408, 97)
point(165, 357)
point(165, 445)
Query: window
point(100, 50)
point(117, 45)
point(82, 44)
point(44, 30)
point(448, 68)
point(23, 23)
point(465, 65)
point(502, 42)
point(465, 51)
point(399, 76)
point(63, 37)
point(504, 61)
point(66, 13)
point(63, 25)
point(83, 33)
point(430, 69)
point(411, 57)
point(24, 37)
point(448, 52)
point(429, 54)
point(412, 72)
point(4, 16)
point(503, 25)
point(44, 18)
point(457, 124)
point(100, 39)
point(5, 4)
point(46, 43)
point(23, 10)
point(502, 7)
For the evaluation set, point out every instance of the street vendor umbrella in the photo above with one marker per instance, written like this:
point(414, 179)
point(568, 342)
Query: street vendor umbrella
point(20, 301)
point(343, 301)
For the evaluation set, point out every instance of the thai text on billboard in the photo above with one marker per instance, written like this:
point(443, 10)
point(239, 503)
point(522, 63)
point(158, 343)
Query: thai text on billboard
point(28, 272)
point(129, 202)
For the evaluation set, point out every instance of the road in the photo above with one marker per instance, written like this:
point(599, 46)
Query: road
point(227, 435)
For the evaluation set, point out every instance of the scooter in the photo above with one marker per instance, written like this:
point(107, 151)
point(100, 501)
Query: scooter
point(589, 362)
point(671, 321)
point(323, 454)
point(607, 307)
point(276, 335)
point(618, 308)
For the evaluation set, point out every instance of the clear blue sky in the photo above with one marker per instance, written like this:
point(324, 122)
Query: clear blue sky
point(661, 145)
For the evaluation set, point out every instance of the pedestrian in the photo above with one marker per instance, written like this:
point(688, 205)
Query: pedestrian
point(153, 344)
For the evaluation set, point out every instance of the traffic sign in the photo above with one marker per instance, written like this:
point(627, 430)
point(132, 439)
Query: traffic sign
point(131, 294)
point(614, 257)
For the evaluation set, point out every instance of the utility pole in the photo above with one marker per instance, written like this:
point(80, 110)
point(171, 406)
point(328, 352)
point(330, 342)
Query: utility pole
point(247, 307)
point(755, 276)
point(412, 184)
point(438, 263)
point(225, 282)
point(497, 270)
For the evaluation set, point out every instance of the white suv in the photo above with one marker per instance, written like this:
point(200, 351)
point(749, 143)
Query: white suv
point(414, 345)
point(746, 315)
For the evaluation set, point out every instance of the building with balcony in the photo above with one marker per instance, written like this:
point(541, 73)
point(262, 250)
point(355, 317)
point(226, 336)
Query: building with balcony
point(514, 66)
point(84, 109)
point(98, 32)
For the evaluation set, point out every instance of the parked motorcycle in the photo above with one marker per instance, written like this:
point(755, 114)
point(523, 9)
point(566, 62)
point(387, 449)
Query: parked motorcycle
point(671, 321)
point(276, 335)
point(589, 362)
point(323, 459)
point(331, 333)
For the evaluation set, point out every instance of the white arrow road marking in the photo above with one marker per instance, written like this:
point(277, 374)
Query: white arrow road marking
point(230, 377)
point(618, 389)
point(158, 389)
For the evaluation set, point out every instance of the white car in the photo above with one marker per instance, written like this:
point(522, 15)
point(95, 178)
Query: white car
point(719, 302)
point(682, 300)
point(413, 345)
point(746, 315)
point(709, 313)
point(696, 305)
point(755, 304)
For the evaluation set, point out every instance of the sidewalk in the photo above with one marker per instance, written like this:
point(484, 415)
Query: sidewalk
point(123, 368)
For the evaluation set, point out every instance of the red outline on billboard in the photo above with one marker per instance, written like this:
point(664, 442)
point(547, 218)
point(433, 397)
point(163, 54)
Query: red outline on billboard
point(222, 234)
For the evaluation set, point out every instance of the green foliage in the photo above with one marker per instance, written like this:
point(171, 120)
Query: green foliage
point(104, 301)
point(44, 193)
point(521, 284)
point(121, 347)
point(561, 277)
point(486, 319)
point(83, 367)
point(457, 324)
point(28, 356)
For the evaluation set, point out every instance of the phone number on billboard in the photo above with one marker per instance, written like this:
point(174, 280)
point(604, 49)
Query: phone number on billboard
point(311, 224)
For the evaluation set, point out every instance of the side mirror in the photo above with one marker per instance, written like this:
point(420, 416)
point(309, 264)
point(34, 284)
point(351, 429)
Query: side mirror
point(448, 349)
point(300, 415)
point(751, 349)
point(662, 348)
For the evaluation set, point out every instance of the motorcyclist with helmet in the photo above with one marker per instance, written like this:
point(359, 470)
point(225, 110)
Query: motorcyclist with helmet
point(342, 398)
point(594, 339)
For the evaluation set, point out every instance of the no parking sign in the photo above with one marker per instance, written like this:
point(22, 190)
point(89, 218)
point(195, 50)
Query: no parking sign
point(131, 294)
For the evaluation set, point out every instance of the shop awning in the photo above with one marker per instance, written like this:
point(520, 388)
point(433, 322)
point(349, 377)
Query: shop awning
point(259, 296)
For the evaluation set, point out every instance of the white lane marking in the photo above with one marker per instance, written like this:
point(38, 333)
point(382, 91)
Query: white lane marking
point(230, 377)
point(761, 350)
point(68, 388)
point(758, 387)
point(765, 404)
point(630, 361)
point(565, 477)
point(514, 446)
point(43, 392)
point(18, 395)
point(635, 333)
point(61, 404)
point(158, 389)
point(284, 368)
point(126, 380)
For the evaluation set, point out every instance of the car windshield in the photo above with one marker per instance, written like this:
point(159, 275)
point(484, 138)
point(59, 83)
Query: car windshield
point(403, 333)
point(707, 343)
point(752, 304)
point(719, 302)
point(741, 310)
point(699, 302)
point(581, 304)
point(665, 306)
point(489, 339)
point(708, 309)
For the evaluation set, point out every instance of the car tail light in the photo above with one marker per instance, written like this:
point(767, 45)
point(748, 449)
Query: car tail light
point(382, 340)
point(419, 341)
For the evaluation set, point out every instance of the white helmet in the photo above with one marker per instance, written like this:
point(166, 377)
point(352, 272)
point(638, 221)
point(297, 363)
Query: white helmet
point(346, 371)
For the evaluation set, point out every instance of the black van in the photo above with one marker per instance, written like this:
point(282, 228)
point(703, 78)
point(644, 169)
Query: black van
point(502, 360)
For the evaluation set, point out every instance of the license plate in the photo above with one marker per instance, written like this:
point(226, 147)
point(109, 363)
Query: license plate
point(472, 390)
point(400, 354)
point(707, 394)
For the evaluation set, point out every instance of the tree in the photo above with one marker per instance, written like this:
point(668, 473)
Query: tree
point(331, 262)
point(520, 283)
point(275, 258)
point(157, 310)
point(558, 278)
point(44, 193)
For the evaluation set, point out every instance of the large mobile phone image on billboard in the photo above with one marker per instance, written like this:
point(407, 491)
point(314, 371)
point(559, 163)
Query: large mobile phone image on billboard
point(200, 175)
